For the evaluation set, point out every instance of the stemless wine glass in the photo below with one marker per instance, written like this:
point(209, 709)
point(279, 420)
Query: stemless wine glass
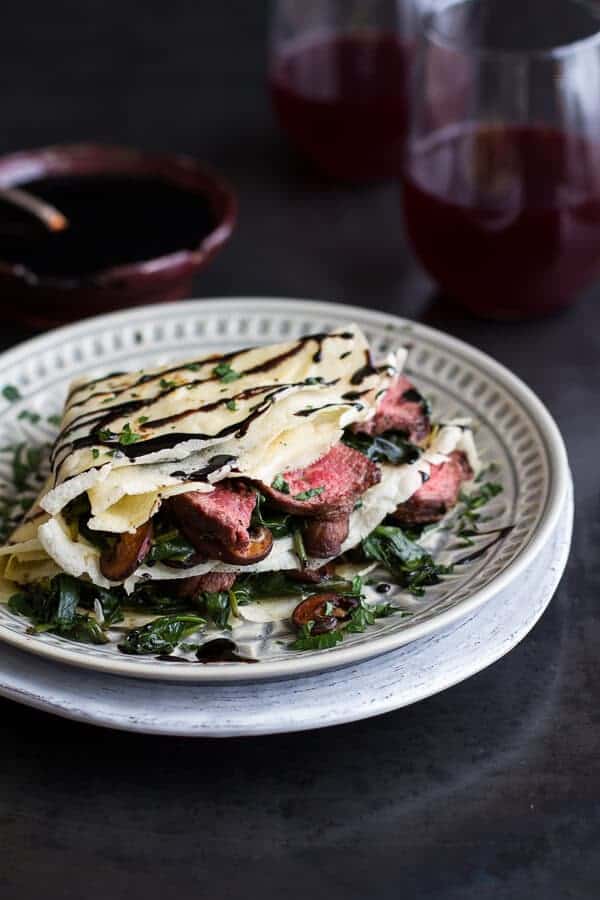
point(502, 174)
point(339, 78)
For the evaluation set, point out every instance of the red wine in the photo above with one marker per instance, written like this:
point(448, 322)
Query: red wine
point(506, 219)
point(344, 101)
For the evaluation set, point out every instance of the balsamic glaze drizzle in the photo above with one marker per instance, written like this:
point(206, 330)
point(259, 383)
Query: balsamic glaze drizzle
point(100, 420)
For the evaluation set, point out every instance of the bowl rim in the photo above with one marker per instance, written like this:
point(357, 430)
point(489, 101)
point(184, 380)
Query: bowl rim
point(25, 165)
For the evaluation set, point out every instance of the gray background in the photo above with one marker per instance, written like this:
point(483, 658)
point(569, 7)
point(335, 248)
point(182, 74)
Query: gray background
point(490, 790)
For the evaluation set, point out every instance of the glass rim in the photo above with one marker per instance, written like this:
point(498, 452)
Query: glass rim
point(558, 51)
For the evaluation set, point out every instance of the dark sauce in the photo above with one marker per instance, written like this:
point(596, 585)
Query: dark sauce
point(100, 420)
point(221, 650)
point(214, 464)
point(412, 396)
point(113, 220)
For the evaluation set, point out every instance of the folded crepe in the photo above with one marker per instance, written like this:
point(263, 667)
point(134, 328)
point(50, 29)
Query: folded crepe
point(200, 446)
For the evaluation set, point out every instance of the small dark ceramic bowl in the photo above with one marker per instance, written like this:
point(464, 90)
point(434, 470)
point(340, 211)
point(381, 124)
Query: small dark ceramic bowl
point(44, 301)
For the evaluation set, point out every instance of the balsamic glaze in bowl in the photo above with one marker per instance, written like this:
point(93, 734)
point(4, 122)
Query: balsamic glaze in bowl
point(140, 227)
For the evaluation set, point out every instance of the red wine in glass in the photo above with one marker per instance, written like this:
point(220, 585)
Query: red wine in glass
point(507, 219)
point(343, 99)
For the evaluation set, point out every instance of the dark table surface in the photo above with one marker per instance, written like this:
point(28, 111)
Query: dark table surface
point(489, 790)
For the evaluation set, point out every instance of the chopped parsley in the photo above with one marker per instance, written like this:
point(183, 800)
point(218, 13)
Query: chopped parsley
point(309, 494)
point(232, 405)
point(166, 384)
point(54, 420)
point(128, 436)
point(280, 484)
point(193, 367)
point(225, 373)
point(11, 393)
point(142, 419)
point(312, 379)
point(95, 452)
point(32, 417)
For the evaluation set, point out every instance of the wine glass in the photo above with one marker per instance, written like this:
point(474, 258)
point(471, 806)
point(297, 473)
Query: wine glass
point(501, 181)
point(339, 77)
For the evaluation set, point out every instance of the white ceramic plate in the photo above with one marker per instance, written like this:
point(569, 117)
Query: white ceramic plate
point(370, 688)
point(515, 432)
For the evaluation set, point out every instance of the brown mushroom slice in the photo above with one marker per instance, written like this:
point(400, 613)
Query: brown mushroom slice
point(122, 559)
point(323, 538)
point(259, 547)
point(315, 609)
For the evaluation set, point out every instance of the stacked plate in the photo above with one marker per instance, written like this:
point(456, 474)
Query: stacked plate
point(467, 622)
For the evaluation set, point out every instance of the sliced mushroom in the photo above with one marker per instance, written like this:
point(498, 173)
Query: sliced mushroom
point(321, 609)
point(259, 547)
point(123, 558)
point(324, 537)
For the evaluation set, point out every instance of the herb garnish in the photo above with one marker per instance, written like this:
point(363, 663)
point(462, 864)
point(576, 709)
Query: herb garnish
point(167, 384)
point(231, 404)
point(309, 494)
point(128, 436)
point(280, 484)
point(225, 373)
point(11, 393)
point(54, 420)
point(32, 417)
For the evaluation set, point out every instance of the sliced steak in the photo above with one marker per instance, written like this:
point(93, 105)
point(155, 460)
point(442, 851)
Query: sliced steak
point(328, 486)
point(401, 409)
point(211, 582)
point(438, 495)
point(223, 515)
point(324, 537)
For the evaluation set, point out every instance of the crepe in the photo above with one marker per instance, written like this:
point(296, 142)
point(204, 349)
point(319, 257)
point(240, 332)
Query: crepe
point(129, 441)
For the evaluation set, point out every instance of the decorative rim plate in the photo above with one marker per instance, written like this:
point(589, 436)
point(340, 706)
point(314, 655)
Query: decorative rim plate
point(515, 431)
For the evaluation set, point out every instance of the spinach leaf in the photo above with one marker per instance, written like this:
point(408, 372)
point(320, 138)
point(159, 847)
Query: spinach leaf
point(52, 607)
point(308, 641)
point(217, 606)
point(413, 566)
point(170, 545)
point(277, 523)
point(299, 547)
point(248, 588)
point(391, 446)
point(161, 635)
